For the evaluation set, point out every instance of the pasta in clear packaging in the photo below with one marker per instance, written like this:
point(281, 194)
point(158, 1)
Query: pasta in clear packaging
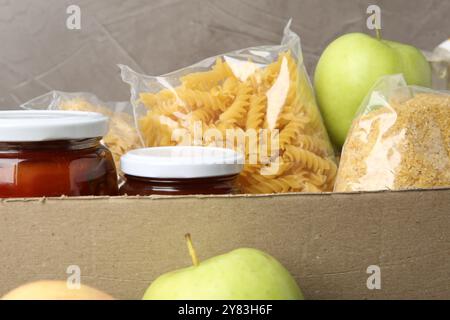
point(439, 59)
point(258, 101)
point(122, 135)
point(400, 139)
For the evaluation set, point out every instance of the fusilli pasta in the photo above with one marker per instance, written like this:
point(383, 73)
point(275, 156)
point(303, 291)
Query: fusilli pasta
point(272, 109)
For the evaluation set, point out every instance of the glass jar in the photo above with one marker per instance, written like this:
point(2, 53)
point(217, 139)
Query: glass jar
point(54, 153)
point(180, 171)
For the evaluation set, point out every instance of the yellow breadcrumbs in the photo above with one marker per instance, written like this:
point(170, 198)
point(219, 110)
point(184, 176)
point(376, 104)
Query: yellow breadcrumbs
point(402, 146)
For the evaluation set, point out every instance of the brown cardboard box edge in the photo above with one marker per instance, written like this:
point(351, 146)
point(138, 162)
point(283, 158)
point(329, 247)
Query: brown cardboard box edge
point(327, 241)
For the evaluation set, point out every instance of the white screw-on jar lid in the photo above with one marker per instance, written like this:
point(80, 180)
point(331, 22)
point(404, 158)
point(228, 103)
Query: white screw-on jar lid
point(182, 162)
point(48, 125)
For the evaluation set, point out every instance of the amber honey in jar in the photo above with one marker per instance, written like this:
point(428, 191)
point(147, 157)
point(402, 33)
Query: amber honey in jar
point(180, 170)
point(54, 153)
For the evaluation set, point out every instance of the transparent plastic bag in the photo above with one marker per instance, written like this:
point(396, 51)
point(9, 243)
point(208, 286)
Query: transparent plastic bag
point(122, 135)
point(258, 101)
point(400, 139)
point(439, 59)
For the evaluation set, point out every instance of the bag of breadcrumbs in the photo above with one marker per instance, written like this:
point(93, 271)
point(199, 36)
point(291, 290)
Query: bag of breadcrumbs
point(400, 139)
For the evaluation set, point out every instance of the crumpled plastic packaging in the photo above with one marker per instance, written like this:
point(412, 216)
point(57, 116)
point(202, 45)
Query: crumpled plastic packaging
point(258, 101)
point(439, 59)
point(122, 135)
point(400, 139)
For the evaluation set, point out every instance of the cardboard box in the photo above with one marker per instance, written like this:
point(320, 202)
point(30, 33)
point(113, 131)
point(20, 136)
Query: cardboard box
point(327, 241)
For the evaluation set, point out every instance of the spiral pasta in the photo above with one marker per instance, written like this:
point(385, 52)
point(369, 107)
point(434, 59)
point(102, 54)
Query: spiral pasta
point(306, 159)
point(122, 135)
point(270, 112)
point(278, 185)
point(256, 112)
point(207, 80)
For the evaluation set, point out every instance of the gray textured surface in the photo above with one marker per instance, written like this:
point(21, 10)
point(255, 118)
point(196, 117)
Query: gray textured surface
point(38, 53)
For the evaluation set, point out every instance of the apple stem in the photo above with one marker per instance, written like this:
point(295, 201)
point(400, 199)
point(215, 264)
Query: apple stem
point(191, 249)
point(378, 32)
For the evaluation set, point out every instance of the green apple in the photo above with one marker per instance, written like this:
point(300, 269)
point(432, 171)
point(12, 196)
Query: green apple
point(350, 66)
point(242, 274)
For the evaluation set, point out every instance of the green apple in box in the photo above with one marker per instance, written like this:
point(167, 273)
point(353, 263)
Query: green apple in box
point(350, 66)
point(242, 274)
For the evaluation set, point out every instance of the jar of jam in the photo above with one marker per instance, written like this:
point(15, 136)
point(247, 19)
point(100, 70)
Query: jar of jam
point(54, 153)
point(180, 171)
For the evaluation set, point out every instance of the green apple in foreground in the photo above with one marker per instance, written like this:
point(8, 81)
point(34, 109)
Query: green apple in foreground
point(350, 66)
point(242, 274)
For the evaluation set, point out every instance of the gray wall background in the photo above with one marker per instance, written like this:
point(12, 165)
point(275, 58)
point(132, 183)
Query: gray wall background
point(38, 53)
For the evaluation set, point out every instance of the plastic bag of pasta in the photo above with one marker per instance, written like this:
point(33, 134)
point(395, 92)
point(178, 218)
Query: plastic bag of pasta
point(122, 135)
point(258, 101)
point(400, 139)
